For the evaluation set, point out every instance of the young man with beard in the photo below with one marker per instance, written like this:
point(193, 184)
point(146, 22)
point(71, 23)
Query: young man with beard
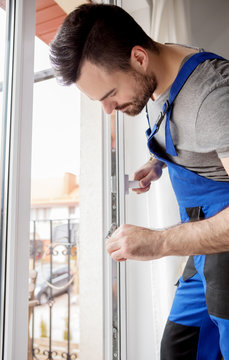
point(111, 59)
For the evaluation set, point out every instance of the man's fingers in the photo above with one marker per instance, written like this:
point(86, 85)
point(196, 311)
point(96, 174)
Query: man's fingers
point(117, 256)
point(140, 174)
point(112, 245)
point(141, 190)
point(114, 250)
point(146, 181)
point(144, 178)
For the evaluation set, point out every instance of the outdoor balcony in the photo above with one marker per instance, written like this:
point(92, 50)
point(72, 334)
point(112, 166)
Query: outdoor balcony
point(54, 310)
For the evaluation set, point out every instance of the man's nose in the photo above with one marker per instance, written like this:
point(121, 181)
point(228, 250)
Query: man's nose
point(108, 106)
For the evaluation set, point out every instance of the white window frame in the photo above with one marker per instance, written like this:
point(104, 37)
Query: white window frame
point(91, 239)
point(118, 335)
point(15, 326)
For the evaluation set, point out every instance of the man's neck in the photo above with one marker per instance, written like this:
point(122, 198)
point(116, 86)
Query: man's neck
point(165, 65)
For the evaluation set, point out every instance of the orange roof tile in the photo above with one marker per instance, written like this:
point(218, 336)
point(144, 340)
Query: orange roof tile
point(49, 16)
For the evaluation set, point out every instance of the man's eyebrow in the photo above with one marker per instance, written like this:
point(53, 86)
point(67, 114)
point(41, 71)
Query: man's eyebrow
point(107, 94)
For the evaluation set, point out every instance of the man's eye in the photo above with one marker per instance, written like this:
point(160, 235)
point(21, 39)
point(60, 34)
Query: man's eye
point(113, 94)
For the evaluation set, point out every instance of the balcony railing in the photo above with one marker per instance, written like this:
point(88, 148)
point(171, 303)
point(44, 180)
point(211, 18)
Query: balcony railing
point(54, 323)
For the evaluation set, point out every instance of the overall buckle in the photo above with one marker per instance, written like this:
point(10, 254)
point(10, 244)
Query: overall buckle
point(162, 114)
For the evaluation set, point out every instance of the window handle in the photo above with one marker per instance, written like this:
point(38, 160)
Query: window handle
point(112, 229)
point(130, 184)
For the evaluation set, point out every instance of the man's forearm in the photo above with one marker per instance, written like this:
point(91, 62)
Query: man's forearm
point(207, 236)
point(201, 237)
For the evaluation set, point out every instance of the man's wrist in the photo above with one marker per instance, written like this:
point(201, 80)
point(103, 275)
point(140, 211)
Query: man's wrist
point(152, 157)
point(165, 243)
point(159, 244)
point(153, 160)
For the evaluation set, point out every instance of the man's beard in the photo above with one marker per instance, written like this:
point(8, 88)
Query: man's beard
point(145, 87)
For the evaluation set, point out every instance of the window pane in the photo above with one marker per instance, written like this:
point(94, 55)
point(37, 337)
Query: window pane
point(54, 315)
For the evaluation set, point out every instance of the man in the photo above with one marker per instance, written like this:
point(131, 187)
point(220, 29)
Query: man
point(110, 58)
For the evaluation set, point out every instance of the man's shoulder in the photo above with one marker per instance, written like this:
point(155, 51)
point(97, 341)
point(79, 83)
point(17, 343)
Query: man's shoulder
point(206, 78)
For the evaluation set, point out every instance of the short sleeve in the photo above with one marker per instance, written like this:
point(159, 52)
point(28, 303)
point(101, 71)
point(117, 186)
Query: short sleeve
point(212, 122)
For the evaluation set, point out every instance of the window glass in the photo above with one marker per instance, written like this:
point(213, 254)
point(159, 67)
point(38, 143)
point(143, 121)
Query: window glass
point(54, 318)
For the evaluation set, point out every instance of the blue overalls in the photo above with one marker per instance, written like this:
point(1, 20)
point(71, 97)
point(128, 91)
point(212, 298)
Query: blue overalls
point(198, 324)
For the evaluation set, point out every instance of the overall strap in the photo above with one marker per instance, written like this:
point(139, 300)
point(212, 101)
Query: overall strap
point(184, 73)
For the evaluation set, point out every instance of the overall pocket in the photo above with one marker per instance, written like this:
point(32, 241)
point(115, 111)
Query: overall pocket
point(216, 272)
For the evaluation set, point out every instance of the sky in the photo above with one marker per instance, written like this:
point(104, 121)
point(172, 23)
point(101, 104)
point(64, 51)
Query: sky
point(56, 118)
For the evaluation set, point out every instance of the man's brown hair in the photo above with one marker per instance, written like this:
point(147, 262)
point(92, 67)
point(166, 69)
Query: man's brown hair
point(102, 34)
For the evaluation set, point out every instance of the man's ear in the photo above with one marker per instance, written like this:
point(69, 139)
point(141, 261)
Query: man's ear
point(139, 59)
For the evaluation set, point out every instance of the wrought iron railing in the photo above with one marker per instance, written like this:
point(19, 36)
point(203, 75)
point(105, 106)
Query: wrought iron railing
point(53, 255)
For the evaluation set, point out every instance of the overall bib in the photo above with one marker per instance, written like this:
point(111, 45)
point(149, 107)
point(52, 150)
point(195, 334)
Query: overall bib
point(198, 324)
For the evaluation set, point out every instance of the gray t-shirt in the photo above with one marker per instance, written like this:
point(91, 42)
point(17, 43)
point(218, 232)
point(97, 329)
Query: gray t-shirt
point(200, 120)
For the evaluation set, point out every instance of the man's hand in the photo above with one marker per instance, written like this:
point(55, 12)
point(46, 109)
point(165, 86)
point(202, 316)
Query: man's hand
point(207, 236)
point(136, 243)
point(151, 171)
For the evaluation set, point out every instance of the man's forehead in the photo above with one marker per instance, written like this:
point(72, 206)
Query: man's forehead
point(95, 81)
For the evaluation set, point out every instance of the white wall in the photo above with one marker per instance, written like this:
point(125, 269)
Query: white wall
point(209, 25)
